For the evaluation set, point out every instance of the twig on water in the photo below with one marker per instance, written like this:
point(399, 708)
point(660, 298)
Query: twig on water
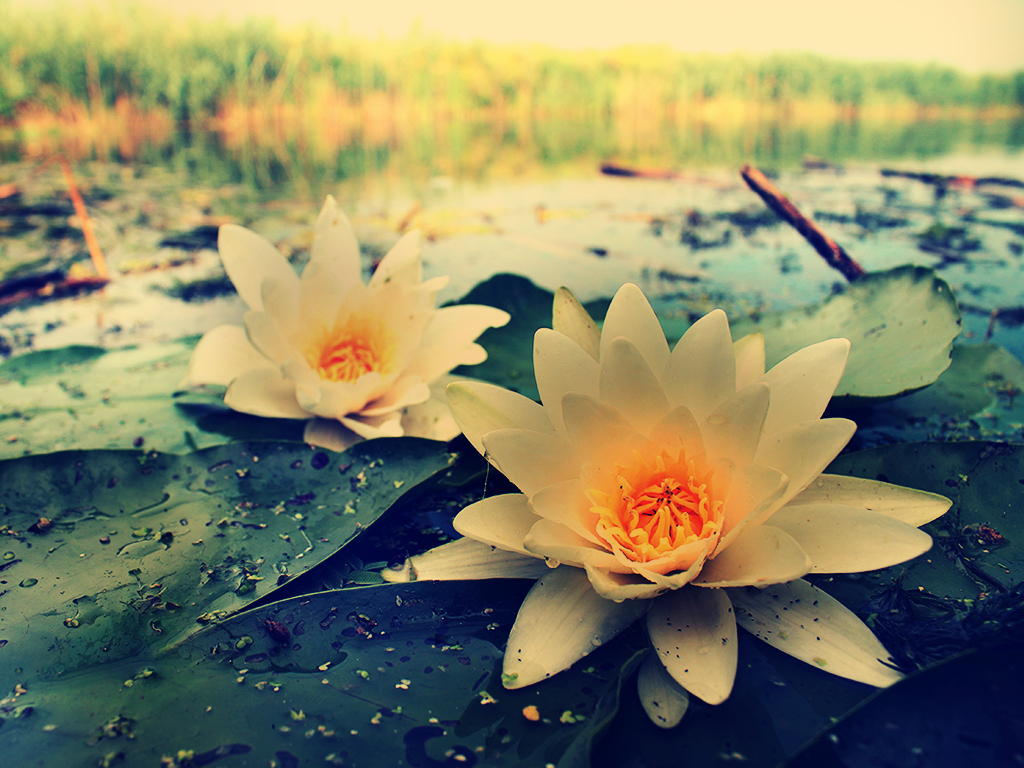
point(829, 249)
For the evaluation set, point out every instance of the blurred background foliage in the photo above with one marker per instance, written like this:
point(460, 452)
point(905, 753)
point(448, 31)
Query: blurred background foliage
point(259, 103)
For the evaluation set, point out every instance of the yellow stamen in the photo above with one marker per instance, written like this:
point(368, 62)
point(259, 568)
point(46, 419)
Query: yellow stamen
point(343, 356)
point(656, 504)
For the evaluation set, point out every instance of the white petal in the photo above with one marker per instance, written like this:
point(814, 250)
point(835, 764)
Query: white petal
point(264, 335)
point(480, 408)
point(734, 429)
point(249, 259)
point(693, 631)
point(529, 459)
point(629, 386)
point(335, 248)
point(562, 366)
point(749, 359)
point(569, 318)
point(701, 371)
point(557, 544)
point(223, 354)
point(281, 302)
point(408, 390)
point(759, 555)
point(566, 504)
point(401, 265)
point(643, 583)
point(448, 339)
point(562, 620)
point(905, 504)
point(663, 699)
point(679, 431)
point(498, 521)
point(630, 315)
point(330, 434)
point(432, 418)
point(803, 451)
point(753, 491)
point(264, 392)
point(850, 540)
point(465, 559)
point(807, 623)
point(599, 433)
point(803, 383)
point(370, 427)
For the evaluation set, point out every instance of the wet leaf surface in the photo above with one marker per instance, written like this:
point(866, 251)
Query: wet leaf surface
point(106, 553)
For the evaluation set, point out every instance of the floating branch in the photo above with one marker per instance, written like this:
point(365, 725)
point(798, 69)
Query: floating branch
point(829, 249)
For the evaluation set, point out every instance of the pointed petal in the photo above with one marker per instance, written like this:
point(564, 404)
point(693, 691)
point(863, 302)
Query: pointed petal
point(569, 318)
point(749, 359)
point(734, 429)
point(803, 451)
point(759, 555)
point(330, 434)
point(810, 625)
point(557, 544)
point(566, 504)
point(465, 559)
point(401, 265)
point(480, 408)
point(598, 432)
point(679, 431)
point(754, 491)
point(629, 386)
point(498, 521)
point(643, 583)
point(335, 248)
point(905, 504)
point(562, 620)
point(408, 390)
point(693, 631)
point(264, 335)
point(562, 366)
point(701, 371)
point(803, 383)
point(264, 392)
point(630, 315)
point(371, 427)
point(449, 336)
point(249, 259)
point(664, 700)
point(222, 355)
point(849, 540)
point(281, 302)
point(529, 459)
point(432, 418)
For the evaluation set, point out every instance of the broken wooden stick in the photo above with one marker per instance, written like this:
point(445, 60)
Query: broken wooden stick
point(95, 253)
point(829, 249)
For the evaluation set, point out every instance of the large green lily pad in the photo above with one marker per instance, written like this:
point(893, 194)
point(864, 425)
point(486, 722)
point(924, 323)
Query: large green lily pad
point(107, 552)
point(981, 725)
point(382, 676)
point(87, 397)
point(901, 324)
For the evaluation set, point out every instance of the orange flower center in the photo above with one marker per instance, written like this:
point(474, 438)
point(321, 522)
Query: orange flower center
point(343, 357)
point(656, 504)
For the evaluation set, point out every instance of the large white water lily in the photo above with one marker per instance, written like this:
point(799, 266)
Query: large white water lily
point(356, 360)
point(684, 486)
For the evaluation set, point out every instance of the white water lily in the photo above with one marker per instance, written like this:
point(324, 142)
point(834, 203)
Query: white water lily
point(356, 360)
point(684, 486)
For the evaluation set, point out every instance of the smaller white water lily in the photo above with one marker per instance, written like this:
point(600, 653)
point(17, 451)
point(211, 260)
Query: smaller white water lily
point(684, 486)
point(354, 359)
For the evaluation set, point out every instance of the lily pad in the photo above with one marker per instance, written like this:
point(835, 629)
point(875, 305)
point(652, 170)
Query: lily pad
point(978, 397)
point(981, 727)
point(105, 553)
point(393, 675)
point(84, 397)
point(901, 323)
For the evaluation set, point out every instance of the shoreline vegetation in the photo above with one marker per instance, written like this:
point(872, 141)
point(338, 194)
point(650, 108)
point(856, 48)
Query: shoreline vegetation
point(130, 83)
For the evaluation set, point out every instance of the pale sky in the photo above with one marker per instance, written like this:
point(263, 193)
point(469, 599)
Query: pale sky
point(973, 35)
